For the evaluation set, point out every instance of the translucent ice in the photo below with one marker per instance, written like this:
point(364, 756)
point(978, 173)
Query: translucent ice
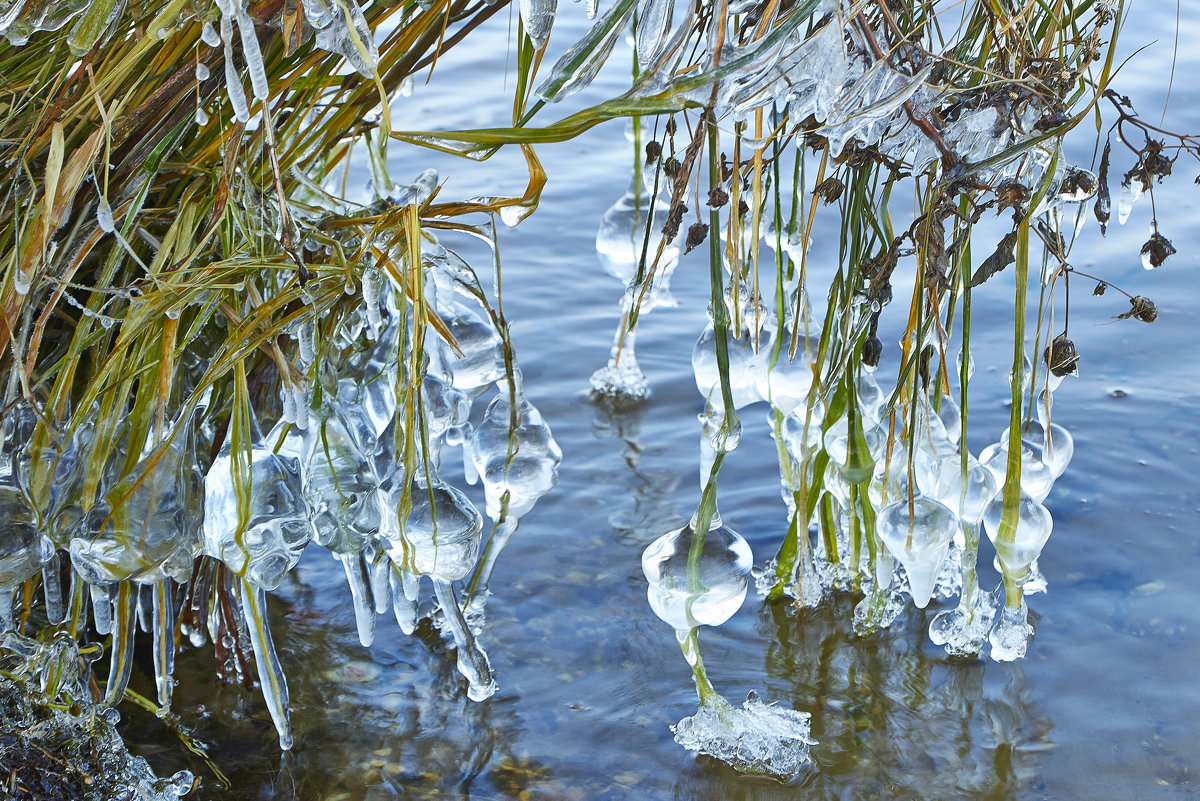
point(962, 631)
point(538, 16)
point(514, 452)
point(758, 739)
point(694, 581)
point(256, 518)
point(1017, 551)
point(145, 527)
point(918, 532)
point(1010, 638)
point(22, 549)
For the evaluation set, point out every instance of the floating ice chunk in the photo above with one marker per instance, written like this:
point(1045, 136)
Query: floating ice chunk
point(758, 739)
point(1010, 638)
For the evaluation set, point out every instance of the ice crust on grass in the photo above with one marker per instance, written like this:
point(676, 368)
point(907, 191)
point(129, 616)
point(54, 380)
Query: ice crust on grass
point(758, 739)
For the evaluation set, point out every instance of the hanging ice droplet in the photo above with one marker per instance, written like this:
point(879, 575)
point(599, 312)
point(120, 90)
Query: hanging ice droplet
point(1131, 192)
point(686, 592)
point(1018, 550)
point(201, 117)
point(202, 72)
point(208, 34)
point(918, 532)
point(104, 217)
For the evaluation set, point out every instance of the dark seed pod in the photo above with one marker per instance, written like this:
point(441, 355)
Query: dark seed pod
point(717, 197)
point(671, 168)
point(653, 151)
point(1156, 250)
point(830, 190)
point(1143, 309)
point(871, 351)
point(1100, 287)
point(696, 235)
point(1061, 356)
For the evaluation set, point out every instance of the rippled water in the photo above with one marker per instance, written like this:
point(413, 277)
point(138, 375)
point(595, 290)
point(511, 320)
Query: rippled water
point(1104, 706)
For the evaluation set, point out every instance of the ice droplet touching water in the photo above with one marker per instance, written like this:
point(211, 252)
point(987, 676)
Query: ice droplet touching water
point(758, 739)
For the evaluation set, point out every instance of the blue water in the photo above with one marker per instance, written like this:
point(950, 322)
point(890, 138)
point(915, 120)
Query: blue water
point(1103, 707)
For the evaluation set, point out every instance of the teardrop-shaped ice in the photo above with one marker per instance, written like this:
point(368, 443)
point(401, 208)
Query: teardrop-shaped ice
point(918, 533)
point(1017, 552)
point(441, 535)
point(743, 378)
point(538, 16)
point(518, 464)
point(262, 541)
point(703, 588)
point(629, 229)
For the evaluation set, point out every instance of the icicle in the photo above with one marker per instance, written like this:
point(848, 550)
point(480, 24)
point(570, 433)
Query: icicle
point(403, 606)
point(164, 643)
point(101, 609)
point(233, 84)
point(121, 663)
point(145, 609)
point(270, 673)
point(254, 59)
point(6, 604)
point(472, 661)
point(380, 568)
point(360, 592)
point(52, 587)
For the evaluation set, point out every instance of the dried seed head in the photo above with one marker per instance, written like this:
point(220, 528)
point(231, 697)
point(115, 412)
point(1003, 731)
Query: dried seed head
point(717, 197)
point(830, 190)
point(671, 168)
point(653, 151)
point(1143, 309)
point(696, 235)
point(871, 351)
point(1156, 250)
point(1100, 287)
point(1012, 194)
point(1061, 356)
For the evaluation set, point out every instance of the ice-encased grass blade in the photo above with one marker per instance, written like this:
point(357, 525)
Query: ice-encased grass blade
point(121, 659)
point(472, 661)
point(164, 643)
point(579, 65)
point(270, 673)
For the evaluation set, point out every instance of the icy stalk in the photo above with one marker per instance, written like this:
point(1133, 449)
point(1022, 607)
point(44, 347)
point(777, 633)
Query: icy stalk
point(270, 673)
point(1016, 548)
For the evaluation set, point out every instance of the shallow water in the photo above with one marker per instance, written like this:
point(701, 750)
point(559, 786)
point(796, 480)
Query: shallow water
point(1103, 707)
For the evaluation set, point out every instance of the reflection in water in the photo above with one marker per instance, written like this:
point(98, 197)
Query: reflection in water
point(894, 718)
point(394, 722)
point(641, 504)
